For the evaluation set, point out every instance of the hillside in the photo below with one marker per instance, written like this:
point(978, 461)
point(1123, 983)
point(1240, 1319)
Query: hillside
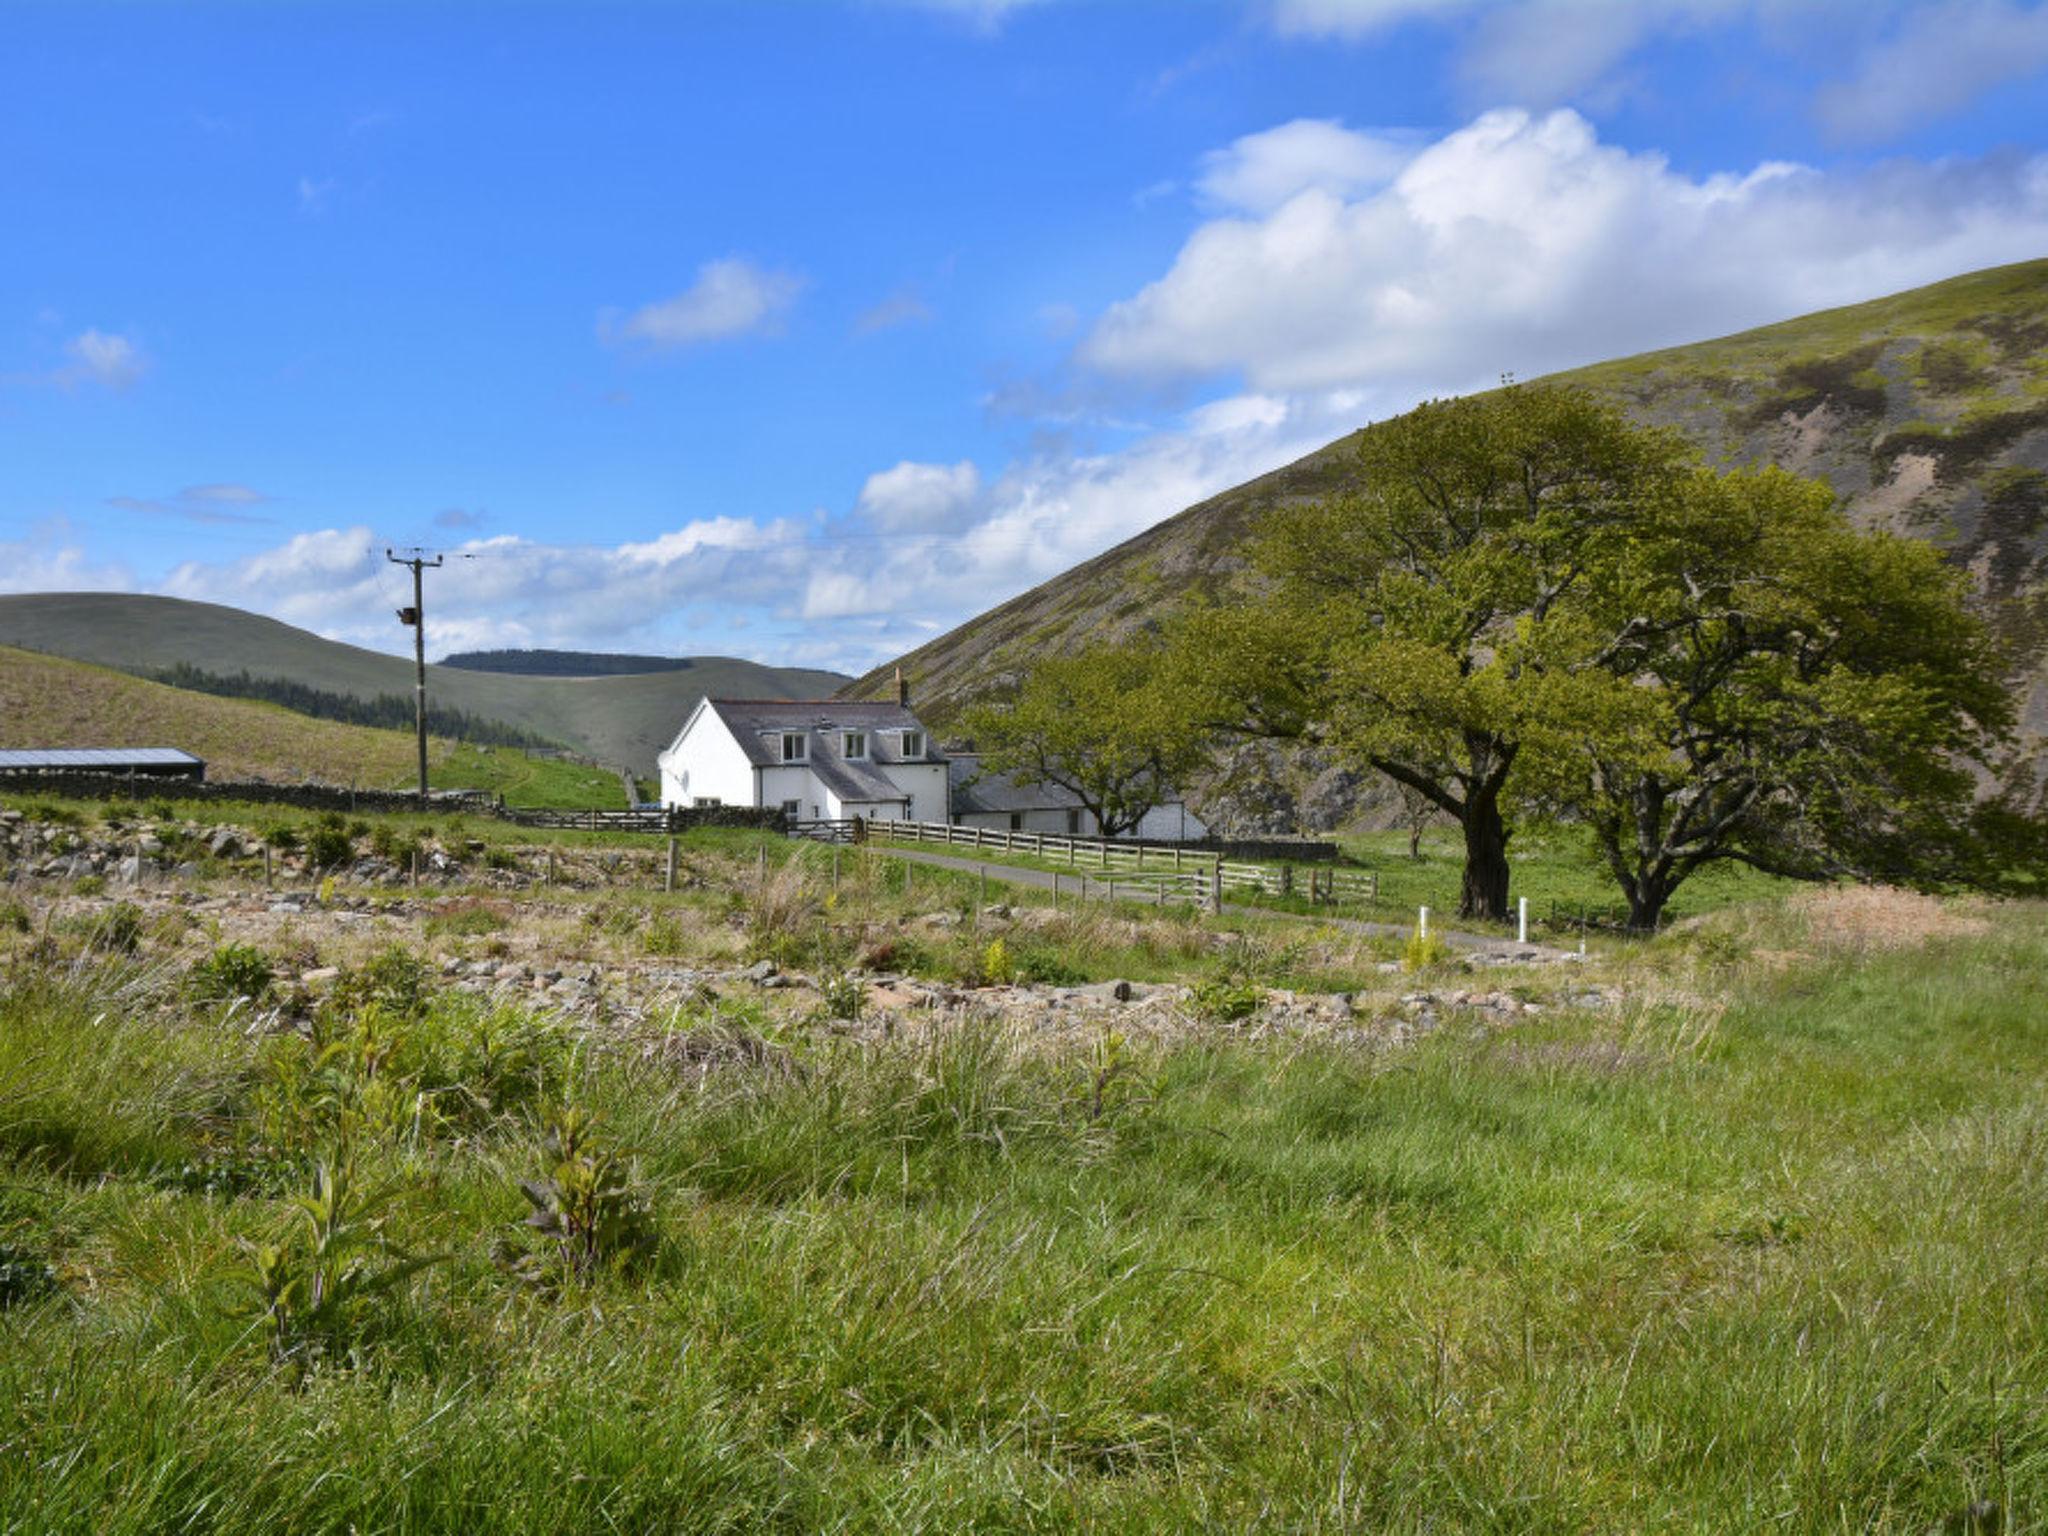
point(622, 720)
point(1927, 411)
point(48, 701)
point(565, 663)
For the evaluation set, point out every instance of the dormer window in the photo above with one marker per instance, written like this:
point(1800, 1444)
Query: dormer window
point(796, 747)
point(853, 745)
point(912, 744)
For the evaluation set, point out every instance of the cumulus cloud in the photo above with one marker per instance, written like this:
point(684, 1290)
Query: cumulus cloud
point(731, 297)
point(1522, 243)
point(1940, 59)
point(106, 358)
point(1261, 171)
point(50, 559)
point(916, 498)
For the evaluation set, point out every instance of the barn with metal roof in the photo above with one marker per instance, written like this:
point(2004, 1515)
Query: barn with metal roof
point(143, 762)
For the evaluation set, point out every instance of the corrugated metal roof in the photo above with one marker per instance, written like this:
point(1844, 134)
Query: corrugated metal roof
point(113, 758)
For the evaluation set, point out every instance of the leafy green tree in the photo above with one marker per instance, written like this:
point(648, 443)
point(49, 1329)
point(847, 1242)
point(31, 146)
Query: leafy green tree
point(1434, 623)
point(1109, 724)
point(1783, 691)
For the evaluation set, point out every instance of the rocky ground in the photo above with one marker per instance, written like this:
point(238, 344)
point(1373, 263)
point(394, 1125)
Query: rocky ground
point(499, 933)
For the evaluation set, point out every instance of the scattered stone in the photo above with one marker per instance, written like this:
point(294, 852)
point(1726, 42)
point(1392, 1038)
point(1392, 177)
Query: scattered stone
point(319, 977)
point(761, 972)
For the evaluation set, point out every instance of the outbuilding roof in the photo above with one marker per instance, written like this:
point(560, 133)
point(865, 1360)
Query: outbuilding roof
point(97, 759)
point(978, 793)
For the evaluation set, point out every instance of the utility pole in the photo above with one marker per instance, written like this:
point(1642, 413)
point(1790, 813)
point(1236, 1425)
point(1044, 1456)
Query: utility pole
point(417, 618)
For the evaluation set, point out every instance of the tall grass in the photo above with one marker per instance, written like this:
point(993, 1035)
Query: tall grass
point(1760, 1260)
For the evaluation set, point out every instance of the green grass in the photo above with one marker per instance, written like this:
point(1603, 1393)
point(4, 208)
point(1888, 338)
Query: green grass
point(1771, 1265)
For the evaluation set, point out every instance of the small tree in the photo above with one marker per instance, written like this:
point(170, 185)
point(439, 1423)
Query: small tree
point(1108, 724)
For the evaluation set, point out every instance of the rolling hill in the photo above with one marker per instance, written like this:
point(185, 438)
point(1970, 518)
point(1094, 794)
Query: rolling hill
point(624, 720)
point(49, 701)
point(1927, 411)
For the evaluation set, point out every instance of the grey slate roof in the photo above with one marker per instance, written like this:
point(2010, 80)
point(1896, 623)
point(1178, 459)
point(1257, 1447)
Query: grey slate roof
point(758, 725)
point(995, 794)
point(97, 759)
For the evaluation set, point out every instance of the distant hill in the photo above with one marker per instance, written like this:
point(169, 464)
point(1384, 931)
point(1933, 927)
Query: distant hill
point(49, 701)
point(565, 663)
point(621, 720)
point(1927, 411)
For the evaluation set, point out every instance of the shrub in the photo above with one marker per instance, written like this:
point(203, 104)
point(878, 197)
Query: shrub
point(231, 971)
point(665, 935)
point(393, 845)
point(1048, 968)
point(1225, 1000)
point(995, 966)
point(394, 979)
point(1423, 951)
point(14, 916)
point(329, 844)
point(284, 837)
point(314, 1285)
point(590, 1207)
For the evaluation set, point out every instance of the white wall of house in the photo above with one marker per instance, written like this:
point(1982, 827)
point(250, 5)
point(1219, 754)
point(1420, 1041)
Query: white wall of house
point(925, 783)
point(705, 763)
point(1170, 824)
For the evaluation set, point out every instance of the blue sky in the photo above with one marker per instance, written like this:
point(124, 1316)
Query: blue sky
point(804, 332)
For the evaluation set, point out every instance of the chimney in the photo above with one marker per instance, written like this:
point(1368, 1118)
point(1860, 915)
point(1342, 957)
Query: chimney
point(902, 689)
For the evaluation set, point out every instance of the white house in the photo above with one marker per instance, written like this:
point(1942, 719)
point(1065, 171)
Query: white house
point(994, 800)
point(827, 760)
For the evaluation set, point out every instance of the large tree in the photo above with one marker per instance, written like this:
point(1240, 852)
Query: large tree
point(1434, 623)
point(1108, 724)
point(1783, 691)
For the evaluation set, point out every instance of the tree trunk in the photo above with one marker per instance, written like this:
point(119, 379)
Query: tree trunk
point(1485, 892)
point(1646, 899)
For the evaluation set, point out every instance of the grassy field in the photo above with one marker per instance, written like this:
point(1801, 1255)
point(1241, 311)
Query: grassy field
point(1757, 1248)
point(46, 701)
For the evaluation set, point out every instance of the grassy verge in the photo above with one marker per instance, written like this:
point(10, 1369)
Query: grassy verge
point(1760, 1255)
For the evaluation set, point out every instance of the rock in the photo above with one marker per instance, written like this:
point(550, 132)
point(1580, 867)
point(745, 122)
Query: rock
point(187, 870)
point(225, 844)
point(319, 977)
point(759, 972)
point(128, 871)
point(152, 846)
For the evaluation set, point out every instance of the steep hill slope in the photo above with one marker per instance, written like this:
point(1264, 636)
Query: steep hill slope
point(1927, 411)
point(48, 701)
point(623, 720)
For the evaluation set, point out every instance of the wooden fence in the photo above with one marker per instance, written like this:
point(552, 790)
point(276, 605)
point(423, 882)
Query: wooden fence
point(1181, 869)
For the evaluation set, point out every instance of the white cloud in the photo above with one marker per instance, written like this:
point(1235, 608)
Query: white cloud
point(219, 504)
point(1261, 171)
point(906, 306)
point(731, 297)
point(1522, 244)
point(50, 560)
point(917, 498)
point(105, 358)
point(313, 196)
point(986, 15)
point(1940, 59)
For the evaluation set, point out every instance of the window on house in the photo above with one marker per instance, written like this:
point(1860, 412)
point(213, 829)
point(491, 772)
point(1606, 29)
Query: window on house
point(707, 800)
point(1073, 823)
point(913, 744)
point(793, 809)
point(853, 744)
point(1016, 821)
point(796, 747)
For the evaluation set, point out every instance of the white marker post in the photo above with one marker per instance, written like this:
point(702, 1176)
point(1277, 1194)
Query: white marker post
point(1522, 921)
point(1422, 921)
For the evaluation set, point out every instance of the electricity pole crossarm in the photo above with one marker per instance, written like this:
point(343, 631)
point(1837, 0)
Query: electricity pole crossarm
point(416, 616)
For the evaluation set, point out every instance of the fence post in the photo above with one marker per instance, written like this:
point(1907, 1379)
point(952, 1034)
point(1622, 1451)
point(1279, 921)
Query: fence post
point(1422, 921)
point(835, 866)
point(269, 875)
point(1286, 880)
point(669, 878)
point(1522, 921)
